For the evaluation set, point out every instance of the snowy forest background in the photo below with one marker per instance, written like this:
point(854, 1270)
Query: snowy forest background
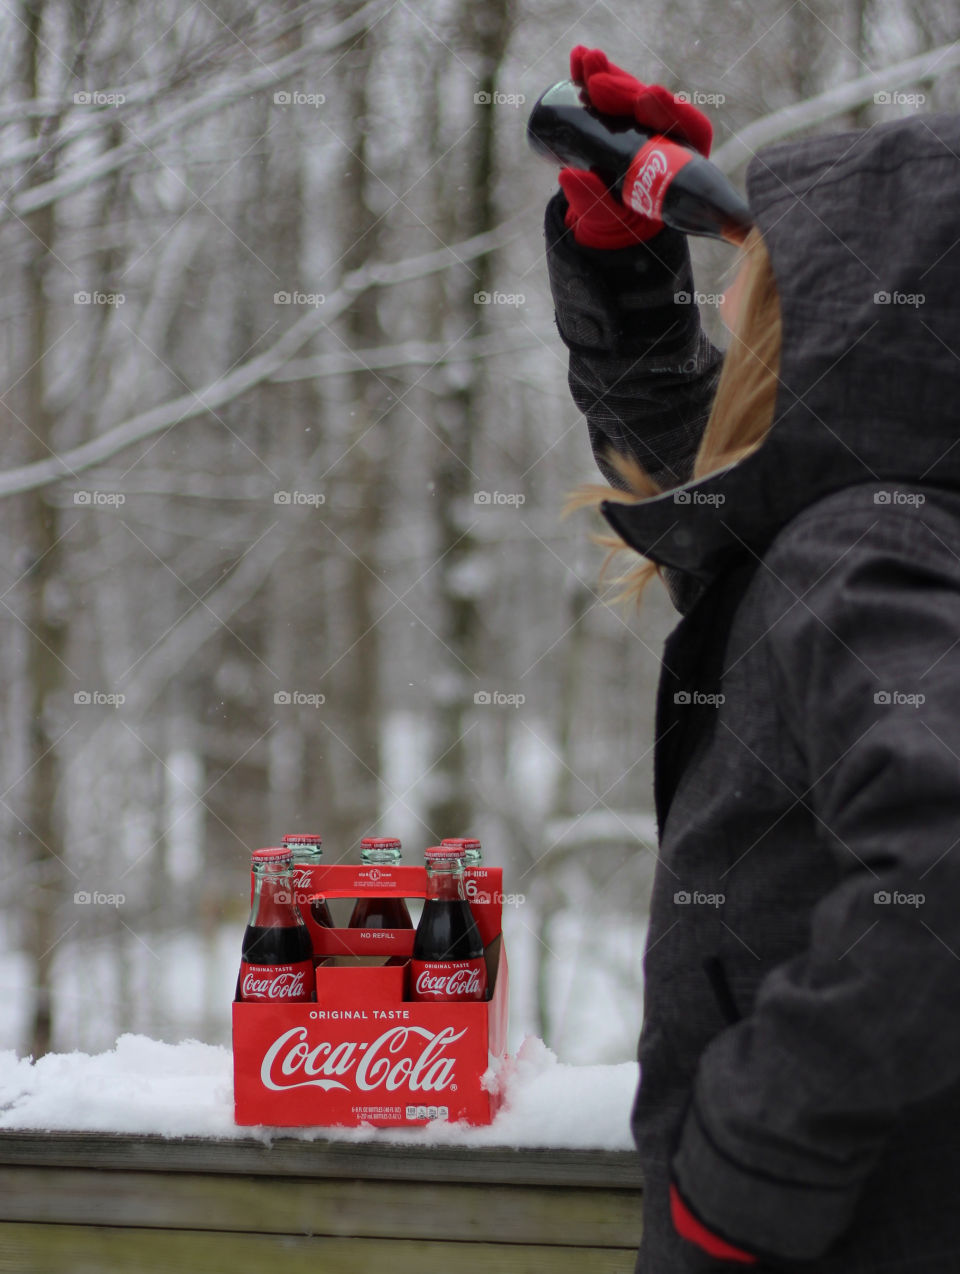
point(263, 440)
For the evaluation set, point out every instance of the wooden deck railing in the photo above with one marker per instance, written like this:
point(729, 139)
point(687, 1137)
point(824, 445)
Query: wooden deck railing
point(93, 1203)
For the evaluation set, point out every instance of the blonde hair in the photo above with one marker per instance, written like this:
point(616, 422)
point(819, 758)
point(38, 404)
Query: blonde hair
point(740, 417)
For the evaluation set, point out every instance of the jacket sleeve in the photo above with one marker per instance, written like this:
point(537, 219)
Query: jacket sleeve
point(641, 370)
point(793, 1106)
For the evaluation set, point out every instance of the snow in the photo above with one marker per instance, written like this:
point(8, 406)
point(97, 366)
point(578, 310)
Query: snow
point(186, 1089)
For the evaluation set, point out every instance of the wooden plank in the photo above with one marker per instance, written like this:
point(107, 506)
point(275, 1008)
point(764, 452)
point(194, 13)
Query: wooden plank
point(375, 1209)
point(287, 1156)
point(69, 1249)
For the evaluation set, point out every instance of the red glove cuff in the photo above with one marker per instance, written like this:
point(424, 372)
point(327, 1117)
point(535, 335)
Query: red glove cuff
point(688, 1227)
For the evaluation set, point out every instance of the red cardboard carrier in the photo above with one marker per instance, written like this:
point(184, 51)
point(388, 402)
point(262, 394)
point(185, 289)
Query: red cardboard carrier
point(362, 1054)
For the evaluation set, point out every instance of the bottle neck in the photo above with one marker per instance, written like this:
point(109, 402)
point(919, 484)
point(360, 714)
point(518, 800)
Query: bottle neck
point(306, 855)
point(380, 857)
point(273, 905)
point(445, 882)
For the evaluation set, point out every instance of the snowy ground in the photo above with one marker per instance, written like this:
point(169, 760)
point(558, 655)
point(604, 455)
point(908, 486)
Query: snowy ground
point(186, 1089)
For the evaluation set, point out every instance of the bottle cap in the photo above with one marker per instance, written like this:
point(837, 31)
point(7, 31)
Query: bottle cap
point(438, 853)
point(272, 855)
point(461, 842)
point(379, 842)
point(301, 838)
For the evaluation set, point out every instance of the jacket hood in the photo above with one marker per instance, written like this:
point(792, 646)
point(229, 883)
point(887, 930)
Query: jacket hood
point(863, 231)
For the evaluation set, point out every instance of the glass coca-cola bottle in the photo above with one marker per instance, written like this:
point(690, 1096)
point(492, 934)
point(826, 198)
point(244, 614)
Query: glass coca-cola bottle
point(380, 913)
point(448, 963)
point(659, 178)
point(276, 962)
point(472, 853)
point(306, 852)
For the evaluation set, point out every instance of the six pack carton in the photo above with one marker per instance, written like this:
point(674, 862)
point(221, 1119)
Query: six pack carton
point(363, 1053)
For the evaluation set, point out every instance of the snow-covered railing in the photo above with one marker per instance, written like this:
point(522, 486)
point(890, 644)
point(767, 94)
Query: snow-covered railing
point(130, 1160)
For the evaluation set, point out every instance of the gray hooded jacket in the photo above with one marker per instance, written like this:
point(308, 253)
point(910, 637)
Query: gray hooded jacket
point(800, 1050)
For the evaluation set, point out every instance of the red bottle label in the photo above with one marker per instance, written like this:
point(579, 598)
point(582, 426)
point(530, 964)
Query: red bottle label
point(291, 982)
point(651, 171)
point(443, 980)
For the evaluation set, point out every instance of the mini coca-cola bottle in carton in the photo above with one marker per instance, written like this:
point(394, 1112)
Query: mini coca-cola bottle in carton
point(374, 912)
point(306, 854)
point(276, 964)
point(448, 962)
point(478, 886)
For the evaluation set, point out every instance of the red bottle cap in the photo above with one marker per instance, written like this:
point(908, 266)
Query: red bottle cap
point(436, 852)
point(379, 842)
point(271, 855)
point(461, 842)
point(301, 838)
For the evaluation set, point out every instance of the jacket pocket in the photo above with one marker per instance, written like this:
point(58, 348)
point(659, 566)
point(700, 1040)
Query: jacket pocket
point(717, 977)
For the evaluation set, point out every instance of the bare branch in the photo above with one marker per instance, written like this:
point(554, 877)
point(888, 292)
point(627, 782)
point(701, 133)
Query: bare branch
point(817, 110)
point(225, 94)
point(408, 354)
point(225, 389)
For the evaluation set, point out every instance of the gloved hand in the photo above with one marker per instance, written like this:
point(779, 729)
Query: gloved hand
point(616, 92)
point(597, 218)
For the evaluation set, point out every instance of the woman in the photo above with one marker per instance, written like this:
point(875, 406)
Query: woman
point(799, 1104)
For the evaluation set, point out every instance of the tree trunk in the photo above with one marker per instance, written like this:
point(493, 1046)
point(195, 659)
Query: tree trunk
point(458, 415)
point(37, 607)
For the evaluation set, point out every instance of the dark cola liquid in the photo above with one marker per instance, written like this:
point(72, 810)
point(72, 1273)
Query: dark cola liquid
point(320, 914)
point(447, 931)
point(275, 944)
point(380, 913)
